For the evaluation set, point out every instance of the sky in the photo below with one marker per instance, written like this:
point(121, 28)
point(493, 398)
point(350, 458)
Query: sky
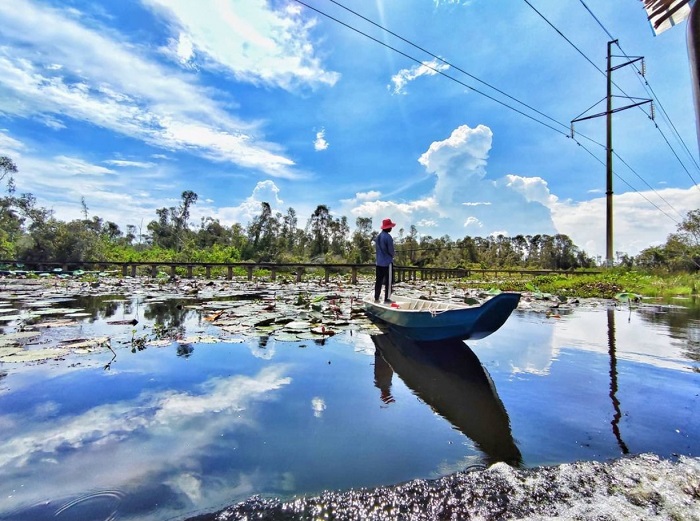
point(452, 116)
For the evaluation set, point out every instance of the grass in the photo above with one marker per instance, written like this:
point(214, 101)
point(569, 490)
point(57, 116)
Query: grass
point(603, 285)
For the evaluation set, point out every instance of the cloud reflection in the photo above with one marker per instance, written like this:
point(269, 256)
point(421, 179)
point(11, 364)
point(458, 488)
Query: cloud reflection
point(158, 431)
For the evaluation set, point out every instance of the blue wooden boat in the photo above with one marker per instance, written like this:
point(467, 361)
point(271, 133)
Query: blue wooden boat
point(420, 319)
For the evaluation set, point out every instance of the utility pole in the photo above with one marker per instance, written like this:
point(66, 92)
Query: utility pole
point(609, 148)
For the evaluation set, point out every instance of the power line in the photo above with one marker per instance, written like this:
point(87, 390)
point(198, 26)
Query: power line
point(434, 69)
point(650, 92)
point(444, 61)
point(438, 71)
point(627, 96)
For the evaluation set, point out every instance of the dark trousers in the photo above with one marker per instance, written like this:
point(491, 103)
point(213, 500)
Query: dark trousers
point(383, 278)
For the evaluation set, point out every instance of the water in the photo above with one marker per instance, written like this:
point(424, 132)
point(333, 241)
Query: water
point(169, 432)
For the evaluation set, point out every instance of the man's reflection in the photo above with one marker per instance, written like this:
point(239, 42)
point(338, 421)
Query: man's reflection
point(382, 378)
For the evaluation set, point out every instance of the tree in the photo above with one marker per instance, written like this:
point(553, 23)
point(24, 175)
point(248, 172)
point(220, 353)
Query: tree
point(361, 250)
point(681, 251)
point(8, 169)
point(317, 228)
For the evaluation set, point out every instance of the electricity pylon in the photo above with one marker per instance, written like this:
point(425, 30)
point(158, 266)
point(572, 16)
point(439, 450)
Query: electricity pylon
point(609, 149)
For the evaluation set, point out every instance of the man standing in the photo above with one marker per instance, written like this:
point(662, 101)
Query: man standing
point(384, 244)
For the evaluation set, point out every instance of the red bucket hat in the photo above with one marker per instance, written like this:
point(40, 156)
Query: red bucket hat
point(387, 224)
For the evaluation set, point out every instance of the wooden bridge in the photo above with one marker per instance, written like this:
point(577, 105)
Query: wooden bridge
point(153, 268)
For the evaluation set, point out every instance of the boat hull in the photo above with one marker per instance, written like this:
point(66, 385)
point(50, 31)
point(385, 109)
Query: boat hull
point(423, 320)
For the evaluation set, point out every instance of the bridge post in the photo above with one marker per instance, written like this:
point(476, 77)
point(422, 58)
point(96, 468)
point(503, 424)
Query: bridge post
point(250, 272)
point(189, 271)
point(125, 268)
point(133, 270)
point(353, 275)
point(154, 270)
point(172, 271)
point(273, 273)
point(229, 273)
point(207, 272)
point(300, 272)
point(326, 273)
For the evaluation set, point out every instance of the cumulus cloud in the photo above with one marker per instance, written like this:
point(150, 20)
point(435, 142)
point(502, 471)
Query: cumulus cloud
point(264, 192)
point(401, 79)
point(464, 200)
point(320, 142)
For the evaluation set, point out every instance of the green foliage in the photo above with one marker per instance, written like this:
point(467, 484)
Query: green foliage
point(31, 234)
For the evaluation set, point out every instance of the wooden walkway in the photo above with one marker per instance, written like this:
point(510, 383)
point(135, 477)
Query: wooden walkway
point(187, 269)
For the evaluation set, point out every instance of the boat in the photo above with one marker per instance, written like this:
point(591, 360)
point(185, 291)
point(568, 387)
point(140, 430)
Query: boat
point(448, 376)
point(421, 319)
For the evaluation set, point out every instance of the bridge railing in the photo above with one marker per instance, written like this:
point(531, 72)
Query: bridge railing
point(298, 269)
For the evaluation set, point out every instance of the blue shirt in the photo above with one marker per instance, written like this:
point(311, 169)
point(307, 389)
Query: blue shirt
point(384, 244)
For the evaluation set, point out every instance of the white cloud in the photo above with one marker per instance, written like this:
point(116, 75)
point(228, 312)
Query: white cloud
point(130, 164)
point(264, 191)
point(402, 78)
point(75, 166)
point(318, 405)
point(532, 188)
point(474, 222)
point(320, 143)
point(118, 87)
point(255, 43)
point(636, 223)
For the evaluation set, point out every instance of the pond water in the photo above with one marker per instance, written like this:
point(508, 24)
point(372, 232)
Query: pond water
point(176, 428)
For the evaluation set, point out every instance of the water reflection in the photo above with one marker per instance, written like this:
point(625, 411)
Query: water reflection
point(449, 377)
point(613, 382)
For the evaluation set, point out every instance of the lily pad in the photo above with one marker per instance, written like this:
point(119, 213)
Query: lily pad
point(9, 350)
point(159, 343)
point(34, 355)
point(19, 335)
point(285, 337)
point(200, 339)
point(298, 325)
point(85, 343)
point(628, 297)
point(56, 323)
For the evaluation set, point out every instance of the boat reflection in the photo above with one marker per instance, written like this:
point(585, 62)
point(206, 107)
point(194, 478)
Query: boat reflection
point(449, 377)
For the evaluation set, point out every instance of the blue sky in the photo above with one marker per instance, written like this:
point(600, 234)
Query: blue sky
point(128, 104)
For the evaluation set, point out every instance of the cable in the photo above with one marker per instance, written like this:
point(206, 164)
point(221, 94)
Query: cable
point(490, 86)
point(650, 92)
point(437, 71)
point(632, 187)
point(596, 19)
point(445, 61)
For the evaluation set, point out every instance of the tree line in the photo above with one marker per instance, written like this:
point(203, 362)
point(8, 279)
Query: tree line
point(32, 234)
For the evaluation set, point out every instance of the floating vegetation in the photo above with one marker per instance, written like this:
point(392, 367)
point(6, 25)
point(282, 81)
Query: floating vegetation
point(36, 355)
point(230, 311)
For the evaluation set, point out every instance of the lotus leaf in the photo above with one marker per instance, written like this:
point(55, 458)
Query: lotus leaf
point(159, 343)
point(85, 343)
point(34, 355)
point(286, 337)
point(200, 339)
point(20, 335)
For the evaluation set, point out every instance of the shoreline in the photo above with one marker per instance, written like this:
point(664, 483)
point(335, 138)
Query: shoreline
point(642, 487)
